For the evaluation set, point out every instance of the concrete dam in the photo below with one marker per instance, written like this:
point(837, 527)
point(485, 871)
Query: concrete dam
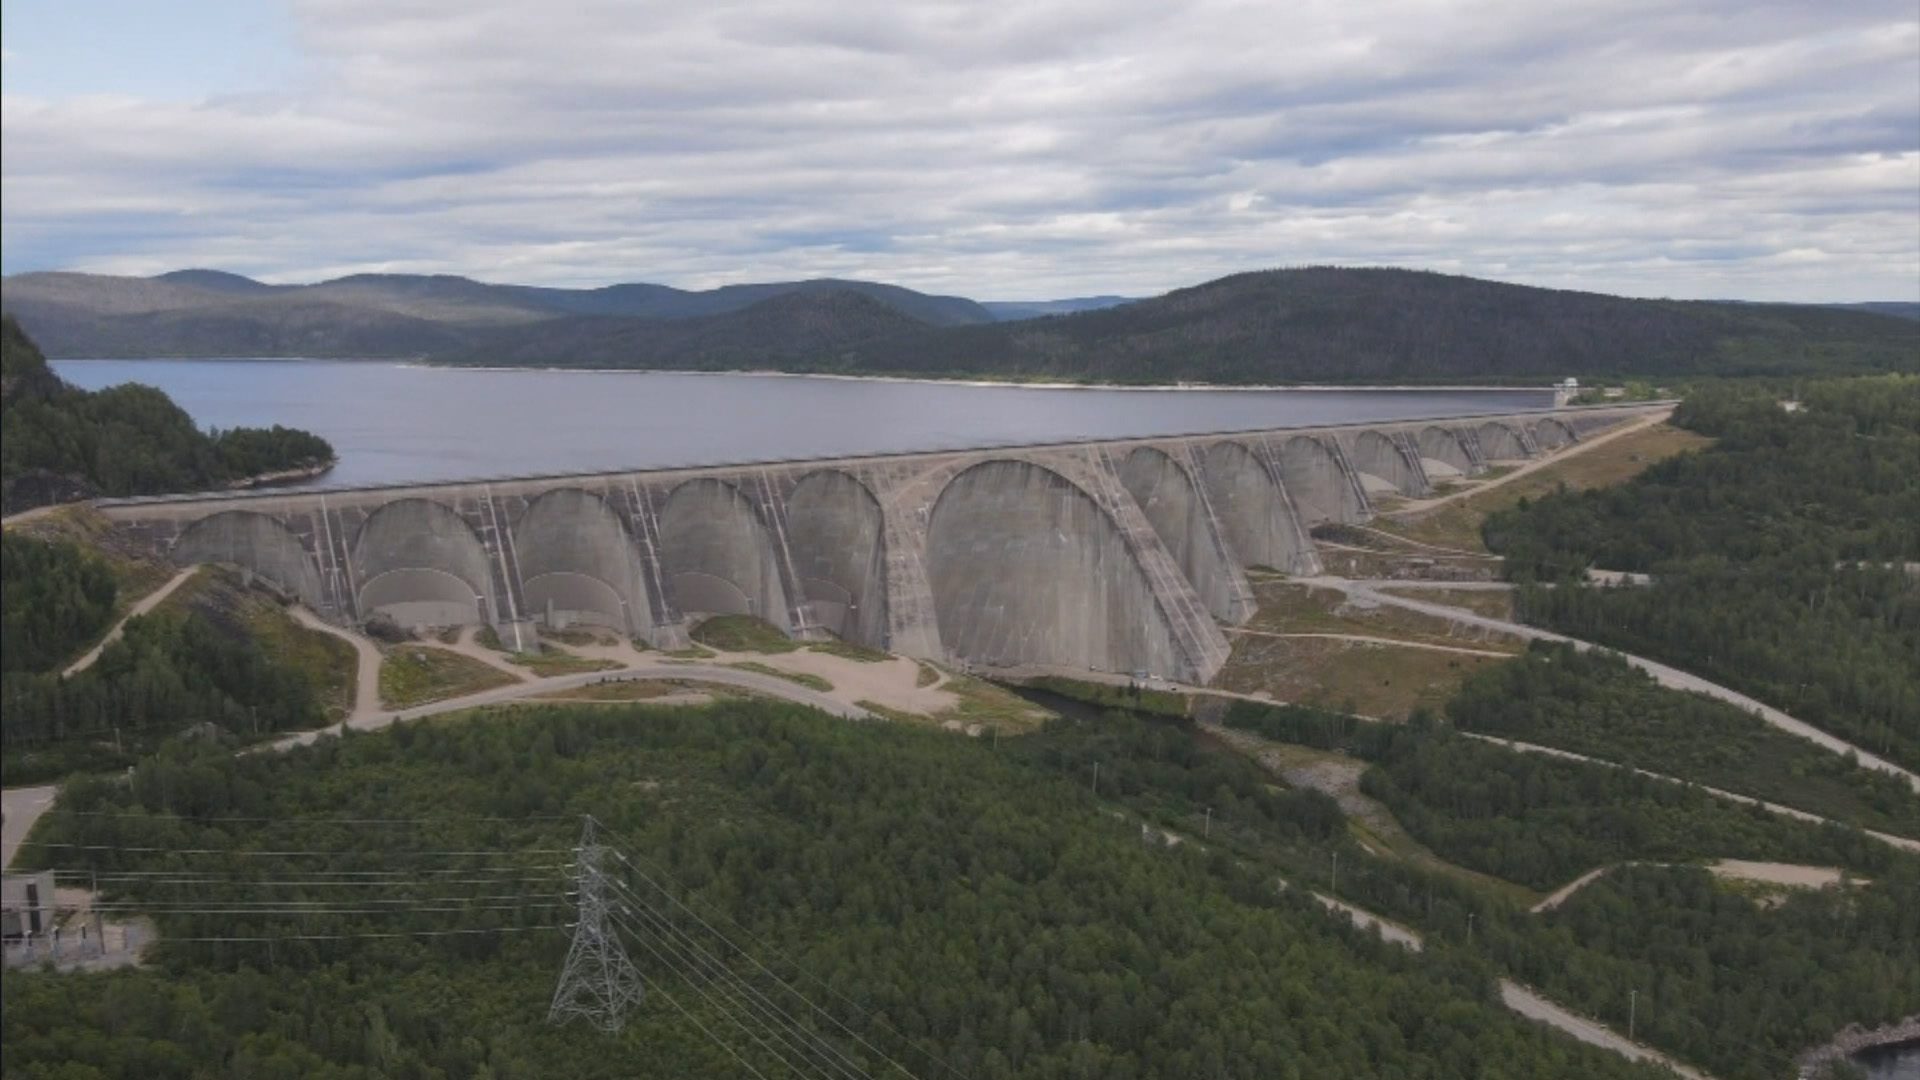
point(1122, 555)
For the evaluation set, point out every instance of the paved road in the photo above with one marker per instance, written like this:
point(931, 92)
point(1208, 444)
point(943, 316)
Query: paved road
point(147, 603)
point(769, 685)
point(366, 680)
point(1666, 676)
point(1365, 639)
point(1530, 1004)
point(1445, 586)
point(1413, 507)
point(1521, 998)
point(1559, 896)
point(1902, 842)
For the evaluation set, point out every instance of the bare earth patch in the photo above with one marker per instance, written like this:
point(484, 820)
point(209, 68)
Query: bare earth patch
point(1368, 679)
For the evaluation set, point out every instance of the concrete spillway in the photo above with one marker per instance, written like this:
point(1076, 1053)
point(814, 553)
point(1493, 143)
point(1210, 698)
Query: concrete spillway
point(1124, 555)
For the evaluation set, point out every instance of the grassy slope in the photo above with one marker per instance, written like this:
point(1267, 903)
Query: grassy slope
point(1457, 524)
point(328, 663)
point(417, 674)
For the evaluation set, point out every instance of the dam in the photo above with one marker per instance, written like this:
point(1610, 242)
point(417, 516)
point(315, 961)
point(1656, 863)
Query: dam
point(1114, 555)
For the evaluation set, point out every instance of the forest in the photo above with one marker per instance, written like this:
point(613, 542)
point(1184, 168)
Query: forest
point(1784, 556)
point(63, 443)
point(1742, 980)
point(967, 910)
point(1594, 703)
point(998, 910)
point(55, 599)
point(199, 666)
point(1292, 324)
point(1542, 821)
point(1312, 323)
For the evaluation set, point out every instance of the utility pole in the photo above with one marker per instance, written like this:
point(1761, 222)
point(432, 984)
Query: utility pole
point(1470, 927)
point(1633, 1007)
point(1209, 826)
point(598, 981)
point(1096, 779)
point(1335, 886)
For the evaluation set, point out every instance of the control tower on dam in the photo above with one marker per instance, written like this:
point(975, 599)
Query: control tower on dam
point(1123, 555)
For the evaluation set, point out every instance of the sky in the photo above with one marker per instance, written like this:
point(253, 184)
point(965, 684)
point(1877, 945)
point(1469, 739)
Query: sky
point(1046, 148)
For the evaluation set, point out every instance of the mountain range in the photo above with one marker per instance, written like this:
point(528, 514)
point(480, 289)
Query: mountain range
point(1312, 323)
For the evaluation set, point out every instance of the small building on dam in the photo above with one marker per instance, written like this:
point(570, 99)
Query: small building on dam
point(1118, 555)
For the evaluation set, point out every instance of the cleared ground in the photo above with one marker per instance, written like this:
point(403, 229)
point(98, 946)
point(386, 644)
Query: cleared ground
point(417, 674)
point(1370, 679)
point(1370, 822)
point(1290, 608)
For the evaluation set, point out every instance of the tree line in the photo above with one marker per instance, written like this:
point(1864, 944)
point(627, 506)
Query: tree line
point(990, 910)
point(1785, 557)
point(64, 443)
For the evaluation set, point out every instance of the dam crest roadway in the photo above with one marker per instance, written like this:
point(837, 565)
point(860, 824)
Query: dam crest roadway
point(1116, 555)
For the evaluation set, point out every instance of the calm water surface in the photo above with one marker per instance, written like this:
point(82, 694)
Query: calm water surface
point(396, 423)
point(1898, 1062)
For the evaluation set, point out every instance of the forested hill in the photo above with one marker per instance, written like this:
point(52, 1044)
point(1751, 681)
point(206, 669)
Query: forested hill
point(59, 443)
point(1335, 325)
point(1312, 324)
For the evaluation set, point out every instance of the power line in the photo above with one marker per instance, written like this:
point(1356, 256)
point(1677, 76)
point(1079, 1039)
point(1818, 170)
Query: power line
point(166, 938)
point(597, 982)
point(786, 1028)
point(284, 901)
point(214, 908)
point(288, 853)
point(708, 998)
point(125, 880)
point(704, 1030)
point(165, 816)
point(865, 1015)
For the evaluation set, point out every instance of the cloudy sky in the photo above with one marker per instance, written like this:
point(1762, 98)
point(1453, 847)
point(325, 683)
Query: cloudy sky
point(1044, 148)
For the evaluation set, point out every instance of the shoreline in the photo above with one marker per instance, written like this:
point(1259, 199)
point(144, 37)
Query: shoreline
point(283, 476)
point(421, 363)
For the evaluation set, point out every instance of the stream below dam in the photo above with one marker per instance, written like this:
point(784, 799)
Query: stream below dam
point(399, 423)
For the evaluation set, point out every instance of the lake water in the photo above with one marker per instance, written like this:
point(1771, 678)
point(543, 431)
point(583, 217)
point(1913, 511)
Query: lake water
point(1898, 1062)
point(393, 422)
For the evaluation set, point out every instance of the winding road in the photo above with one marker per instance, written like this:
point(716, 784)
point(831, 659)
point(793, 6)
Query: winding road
point(1670, 677)
point(146, 603)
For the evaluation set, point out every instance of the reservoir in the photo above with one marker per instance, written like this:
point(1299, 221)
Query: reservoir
point(398, 423)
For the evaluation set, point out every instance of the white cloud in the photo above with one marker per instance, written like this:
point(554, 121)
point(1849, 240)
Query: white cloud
point(1033, 149)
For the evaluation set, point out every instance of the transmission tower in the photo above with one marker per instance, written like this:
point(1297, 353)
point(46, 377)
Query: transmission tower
point(598, 981)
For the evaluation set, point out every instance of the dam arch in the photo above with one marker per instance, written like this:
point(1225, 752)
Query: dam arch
point(420, 564)
point(579, 564)
point(1502, 442)
point(256, 543)
point(718, 555)
point(1322, 488)
point(1025, 567)
point(1445, 446)
point(836, 533)
point(1553, 433)
point(1378, 459)
point(1258, 519)
point(1177, 508)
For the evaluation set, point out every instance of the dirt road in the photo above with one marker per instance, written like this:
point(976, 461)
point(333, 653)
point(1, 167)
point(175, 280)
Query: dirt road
point(147, 603)
point(1670, 677)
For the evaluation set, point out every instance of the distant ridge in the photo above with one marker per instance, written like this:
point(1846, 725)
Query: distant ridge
point(1010, 310)
point(1309, 324)
point(213, 313)
point(215, 281)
